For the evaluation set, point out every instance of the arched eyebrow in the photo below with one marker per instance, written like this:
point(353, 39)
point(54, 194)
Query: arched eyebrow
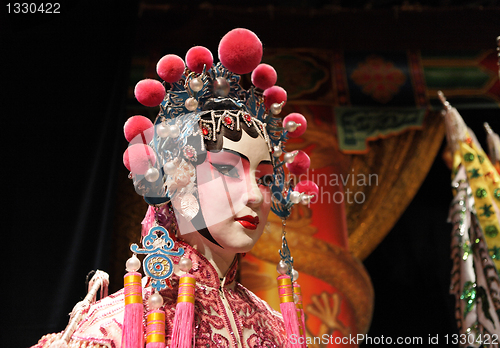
point(265, 162)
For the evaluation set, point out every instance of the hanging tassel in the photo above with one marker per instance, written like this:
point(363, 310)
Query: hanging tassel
point(155, 329)
point(132, 336)
point(300, 312)
point(182, 330)
point(288, 310)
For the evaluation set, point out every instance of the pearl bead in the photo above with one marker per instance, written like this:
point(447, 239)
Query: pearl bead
point(221, 87)
point(196, 84)
point(306, 199)
point(170, 167)
point(282, 267)
point(295, 275)
point(275, 108)
point(277, 151)
point(185, 264)
point(155, 301)
point(295, 298)
point(133, 264)
point(152, 174)
point(162, 130)
point(174, 130)
point(295, 197)
point(291, 126)
point(191, 104)
point(290, 156)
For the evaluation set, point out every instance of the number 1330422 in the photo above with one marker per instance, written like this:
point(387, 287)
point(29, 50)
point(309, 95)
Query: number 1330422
point(31, 7)
point(471, 339)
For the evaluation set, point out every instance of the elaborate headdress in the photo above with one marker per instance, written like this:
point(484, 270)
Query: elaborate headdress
point(203, 102)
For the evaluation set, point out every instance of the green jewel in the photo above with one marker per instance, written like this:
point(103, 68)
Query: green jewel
point(467, 250)
point(469, 157)
point(496, 194)
point(486, 210)
point(474, 173)
point(469, 296)
point(481, 193)
point(495, 253)
point(480, 158)
point(491, 231)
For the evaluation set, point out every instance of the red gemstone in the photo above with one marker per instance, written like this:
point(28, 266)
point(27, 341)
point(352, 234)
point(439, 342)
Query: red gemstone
point(205, 131)
point(228, 120)
point(189, 152)
point(247, 117)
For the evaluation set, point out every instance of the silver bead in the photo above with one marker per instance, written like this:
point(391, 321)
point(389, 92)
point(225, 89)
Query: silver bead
point(277, 151)
point(185, 264)
point(295, 298)
point(191, 104)
point(155, 301)
point(163, 130)
point(196, 84)
point(174, 131)
point(306, 199)
point(295, 275)
point(282, 267)
point(133, 264)
point(295, 197)
point(221, 87)
point(291, 126)
point(152, 174)
point(290, 156)
point(275, 108)
point(170, 167)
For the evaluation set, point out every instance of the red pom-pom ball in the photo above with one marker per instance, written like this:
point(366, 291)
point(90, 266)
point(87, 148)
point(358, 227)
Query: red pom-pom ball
point(274, 94)
point(309, 188)
point(197, 57)
point(299, 119)
point(149, 92)
point(300, 164)
point(170, 68)
point(138, 129)
point(136, 158)
point(240, 51)
point(264, 76)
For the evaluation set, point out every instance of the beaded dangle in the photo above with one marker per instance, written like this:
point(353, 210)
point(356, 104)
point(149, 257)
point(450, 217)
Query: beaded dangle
point(285, 290)
point(157, 245)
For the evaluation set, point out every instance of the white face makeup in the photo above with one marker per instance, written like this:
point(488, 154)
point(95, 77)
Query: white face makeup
point(233, 196)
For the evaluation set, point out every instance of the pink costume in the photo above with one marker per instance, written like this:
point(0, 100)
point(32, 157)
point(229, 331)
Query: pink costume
point(226, 313)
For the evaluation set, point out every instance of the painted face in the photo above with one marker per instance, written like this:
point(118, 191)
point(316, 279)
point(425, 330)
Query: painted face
point(234, 194)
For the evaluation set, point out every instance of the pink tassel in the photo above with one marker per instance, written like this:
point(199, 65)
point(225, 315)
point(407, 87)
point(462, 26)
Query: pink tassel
point(300, 313)
point(133, 336)
point(288, 310)
point(182, 330)
point(155, 329)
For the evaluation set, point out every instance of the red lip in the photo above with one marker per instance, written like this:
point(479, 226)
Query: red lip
point(248, 221)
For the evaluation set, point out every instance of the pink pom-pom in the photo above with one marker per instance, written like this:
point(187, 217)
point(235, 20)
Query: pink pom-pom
point(138, 129)
point(149, 92)
point(300, 164)
point(309, 188)
point(197, 57)
point(170, 68)
point(274, 94)
point(137, 157)
point(240, 51)
point(299, 119)
point(264, 76)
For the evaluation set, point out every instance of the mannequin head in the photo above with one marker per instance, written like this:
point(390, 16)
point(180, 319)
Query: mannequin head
point(233, 190)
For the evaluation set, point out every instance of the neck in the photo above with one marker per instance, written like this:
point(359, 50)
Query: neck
point(220, 259)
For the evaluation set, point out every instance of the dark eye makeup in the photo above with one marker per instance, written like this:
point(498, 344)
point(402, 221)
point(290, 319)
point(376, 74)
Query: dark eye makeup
point(227, 170)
